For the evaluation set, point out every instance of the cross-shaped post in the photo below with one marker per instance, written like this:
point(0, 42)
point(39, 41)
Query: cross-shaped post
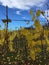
point(6, 21)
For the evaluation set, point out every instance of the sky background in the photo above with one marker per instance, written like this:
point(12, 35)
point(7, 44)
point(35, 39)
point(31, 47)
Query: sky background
point(19, 10)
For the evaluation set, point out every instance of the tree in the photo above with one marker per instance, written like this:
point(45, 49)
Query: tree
point(39, 29)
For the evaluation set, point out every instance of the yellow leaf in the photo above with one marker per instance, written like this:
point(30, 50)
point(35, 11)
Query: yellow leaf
point(31, 12)
point(33, 18)
point(38, 12)
point(37, 23)
point(47, 49)
point(32, 54)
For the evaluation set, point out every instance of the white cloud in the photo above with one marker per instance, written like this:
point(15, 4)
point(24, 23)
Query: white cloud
point(21, 4)
point(24, 17)
point(18, 12)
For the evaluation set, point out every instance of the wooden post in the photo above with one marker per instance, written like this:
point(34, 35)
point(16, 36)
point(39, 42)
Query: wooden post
point(6, 21)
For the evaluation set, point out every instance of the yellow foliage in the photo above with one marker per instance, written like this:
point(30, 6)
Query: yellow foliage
point(1, 41)
point(33, 18)
point(43, 42)
point(30, 36)
point(38, 42)
point(31, 12)
point(11, 46)
point(47, 40)
point(47, 49)
point(36, 35)
point(38, 12)
point(38, 25)
point(32, 54)
point(46, 32)
point(30, 45)
point(38, 50)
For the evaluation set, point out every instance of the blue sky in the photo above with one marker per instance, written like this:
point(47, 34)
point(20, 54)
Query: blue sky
point(19, 10)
